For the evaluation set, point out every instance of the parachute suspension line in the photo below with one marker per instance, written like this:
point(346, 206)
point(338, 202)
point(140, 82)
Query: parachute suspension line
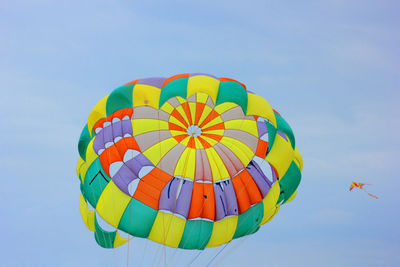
point(213, 258)
point(145, 247)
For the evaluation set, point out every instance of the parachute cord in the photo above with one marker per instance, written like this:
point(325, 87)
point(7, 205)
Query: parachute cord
point(213, 258)
point(144, 252)
point(195, 258)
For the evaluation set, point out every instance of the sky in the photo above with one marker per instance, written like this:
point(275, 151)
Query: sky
point(331, 68)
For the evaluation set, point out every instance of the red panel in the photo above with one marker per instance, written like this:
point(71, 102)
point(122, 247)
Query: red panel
point(203, 201)
point(150, 187)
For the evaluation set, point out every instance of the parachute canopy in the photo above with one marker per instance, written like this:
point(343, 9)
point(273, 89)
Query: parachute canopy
point(191, 161)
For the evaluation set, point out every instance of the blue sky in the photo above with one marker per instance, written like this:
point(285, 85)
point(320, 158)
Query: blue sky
point(331, 68)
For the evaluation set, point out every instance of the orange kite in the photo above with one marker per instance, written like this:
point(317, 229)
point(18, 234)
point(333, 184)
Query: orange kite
point(361, 186)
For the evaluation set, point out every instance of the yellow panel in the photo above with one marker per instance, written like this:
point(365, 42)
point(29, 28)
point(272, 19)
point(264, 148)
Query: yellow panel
point(175, 133)
point(257, 105)
point(205, 84)
point(181, 164)
point(185, 141)
point(243, 152)
point(173, 119)
point(273, 213)
point(183, 114)
point(83, 170)
point(211, 141)
point(167, 229)
point(157, 151)
point(223, 231)
point(90, 153)
point(119, 240)
point(112, 204)
point(298, 158)
point(281, 155)
point(79, 165)
point(221, 108)
point(192, 108)
point(269, 202)
point(140, 126)
point(181, 99)
point(248, 126)
point(217, 132)
point(201, 97)
point(167, 107)
point(190, 165)
point(218, 168)
point(198, 144)
point(145, 95)
point(90, 157)
point(97, 113)
point(87, 215)
point(212, 122)
point(204, 114)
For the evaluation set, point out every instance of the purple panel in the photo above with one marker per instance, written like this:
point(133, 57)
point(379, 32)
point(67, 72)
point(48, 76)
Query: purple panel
point(123, 177)
point(204, 74)
point(282, 134)
point(137, 163)
point(116, 129)
point(168, 200)
point(107, 134)
point(264, 185)
point(98, 142)
point(262, 128)
point(156, 81)
point(126, 127)
point(225, 200)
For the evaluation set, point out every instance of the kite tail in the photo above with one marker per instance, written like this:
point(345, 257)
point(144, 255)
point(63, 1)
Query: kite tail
point(372, 195)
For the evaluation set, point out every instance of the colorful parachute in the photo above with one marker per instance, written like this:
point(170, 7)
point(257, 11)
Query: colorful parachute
point(361, 186)
point(191, 161)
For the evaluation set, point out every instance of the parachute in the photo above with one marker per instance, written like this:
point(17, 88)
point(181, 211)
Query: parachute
point(191, 161)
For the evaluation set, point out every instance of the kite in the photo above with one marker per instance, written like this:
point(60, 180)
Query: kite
point(190, 161)
point(361, 186)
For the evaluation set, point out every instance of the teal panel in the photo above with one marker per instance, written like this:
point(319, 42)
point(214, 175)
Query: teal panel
point(84, 140)
point(289, 182)
point(230, 91)
point(95, 182)
point(137, 219)
point(249, 221)
point(174, 88)
point(196, 235)
point(271, 134)
point(104, 238)
point(120, 98)
point(283, 126)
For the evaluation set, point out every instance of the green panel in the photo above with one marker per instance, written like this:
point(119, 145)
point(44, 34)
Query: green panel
point(104, 238)
point(249, 221)
point(283, 126)
point(230, 91)
point(120, 98)
point(174, 88)
point(84, 140)
point(289, 182)
point(137, 219)
point(196, 235)
point(271, 134)
point(95, 182)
